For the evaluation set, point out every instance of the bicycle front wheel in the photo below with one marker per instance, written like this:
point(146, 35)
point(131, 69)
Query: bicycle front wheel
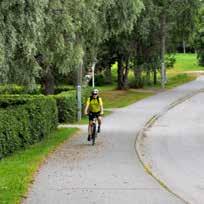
point(94, 134)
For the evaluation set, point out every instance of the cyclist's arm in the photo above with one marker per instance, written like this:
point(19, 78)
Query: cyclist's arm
point(87, 107)
point(101, 106)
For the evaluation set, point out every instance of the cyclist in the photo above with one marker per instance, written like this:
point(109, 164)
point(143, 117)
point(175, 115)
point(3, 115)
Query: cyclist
point(94, 108)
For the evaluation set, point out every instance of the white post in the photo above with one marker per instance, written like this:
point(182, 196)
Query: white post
point(93, 72)
point(79, 102)
point(79, 83)
point(163, 80)
point(93, 75)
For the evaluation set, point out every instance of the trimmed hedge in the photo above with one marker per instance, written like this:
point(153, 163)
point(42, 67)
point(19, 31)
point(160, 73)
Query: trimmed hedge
point(67, 105)
point(10, 89)
point(63, 88)
point(16, 89)
point(22, 125)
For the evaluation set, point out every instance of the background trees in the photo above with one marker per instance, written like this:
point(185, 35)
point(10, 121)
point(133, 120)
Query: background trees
point(200, 35)
point(40, 41)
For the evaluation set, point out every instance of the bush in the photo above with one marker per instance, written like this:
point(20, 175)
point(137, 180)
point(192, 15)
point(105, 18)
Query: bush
point(137, 83)
point(170, 60)
point(13, 100)
point(22, 125)
point(63, 88)
point(67, 105)
point(99, 80)
point(16, 89)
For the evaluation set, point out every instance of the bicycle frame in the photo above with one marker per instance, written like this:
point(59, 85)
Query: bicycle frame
point(93, 130)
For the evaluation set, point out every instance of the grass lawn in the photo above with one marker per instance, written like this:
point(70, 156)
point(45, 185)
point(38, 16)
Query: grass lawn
point(187, 62)
point(179, 79)
point(17, 170)
point(184, 63)
point(119, 99)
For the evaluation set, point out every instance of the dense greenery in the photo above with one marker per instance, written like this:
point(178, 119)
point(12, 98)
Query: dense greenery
point(24, 121)
point(67, 105)
point(41, 41)
point(200, 36)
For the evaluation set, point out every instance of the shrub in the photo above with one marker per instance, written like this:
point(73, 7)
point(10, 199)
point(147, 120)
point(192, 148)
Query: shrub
point(99, 80)
point(170, 60)
point(22, 125)
point(67, 105)
point(63, 88)
point(16, 89)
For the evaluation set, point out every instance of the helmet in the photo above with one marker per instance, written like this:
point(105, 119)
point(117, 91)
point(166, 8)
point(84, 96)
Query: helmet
point(95, 91)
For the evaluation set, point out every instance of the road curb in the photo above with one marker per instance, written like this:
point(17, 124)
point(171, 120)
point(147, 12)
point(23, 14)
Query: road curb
point(141, 134)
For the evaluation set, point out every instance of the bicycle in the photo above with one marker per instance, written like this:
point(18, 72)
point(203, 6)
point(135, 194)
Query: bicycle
point(93, 129)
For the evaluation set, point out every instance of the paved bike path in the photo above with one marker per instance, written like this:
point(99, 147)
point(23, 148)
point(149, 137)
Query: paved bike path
point(110, 172)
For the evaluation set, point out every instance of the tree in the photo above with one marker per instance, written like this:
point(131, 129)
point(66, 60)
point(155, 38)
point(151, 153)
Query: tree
point(146, 40)
point(48, 37)
point(120, 17)
point(20, 22)
point(200, 36)
point(185, 24)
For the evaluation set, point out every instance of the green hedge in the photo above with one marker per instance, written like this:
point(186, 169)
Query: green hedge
point(11, 89)
point(22, 125)
point(67, 105)
point(63, 88)
point(16, 89)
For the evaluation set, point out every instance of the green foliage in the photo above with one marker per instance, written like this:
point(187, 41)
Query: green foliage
point(22, 125)
point(41, 37)
point(170, 60)
point(63, 88)
point(184, 24)
point(200, 37)
point(67, 105)
point(99, 80)
point(20, 23)
point(16, 89)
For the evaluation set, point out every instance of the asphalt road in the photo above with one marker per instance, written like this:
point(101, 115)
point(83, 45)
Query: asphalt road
point(110, 172)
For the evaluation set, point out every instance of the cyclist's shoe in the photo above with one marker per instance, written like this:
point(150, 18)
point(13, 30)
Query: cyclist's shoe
point(99, 129)
point(89, 138)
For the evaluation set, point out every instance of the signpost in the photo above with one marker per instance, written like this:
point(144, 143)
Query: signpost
point(79, 90)
point(93, 72)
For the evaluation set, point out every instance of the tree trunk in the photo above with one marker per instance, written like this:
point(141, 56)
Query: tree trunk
point(138, 76)
point(184, 46)
point(125, 74)
point(120, 74)
point(148, 80)
point(163, 48)
point(48, 81)
point(155, 76)
point(108, 74)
